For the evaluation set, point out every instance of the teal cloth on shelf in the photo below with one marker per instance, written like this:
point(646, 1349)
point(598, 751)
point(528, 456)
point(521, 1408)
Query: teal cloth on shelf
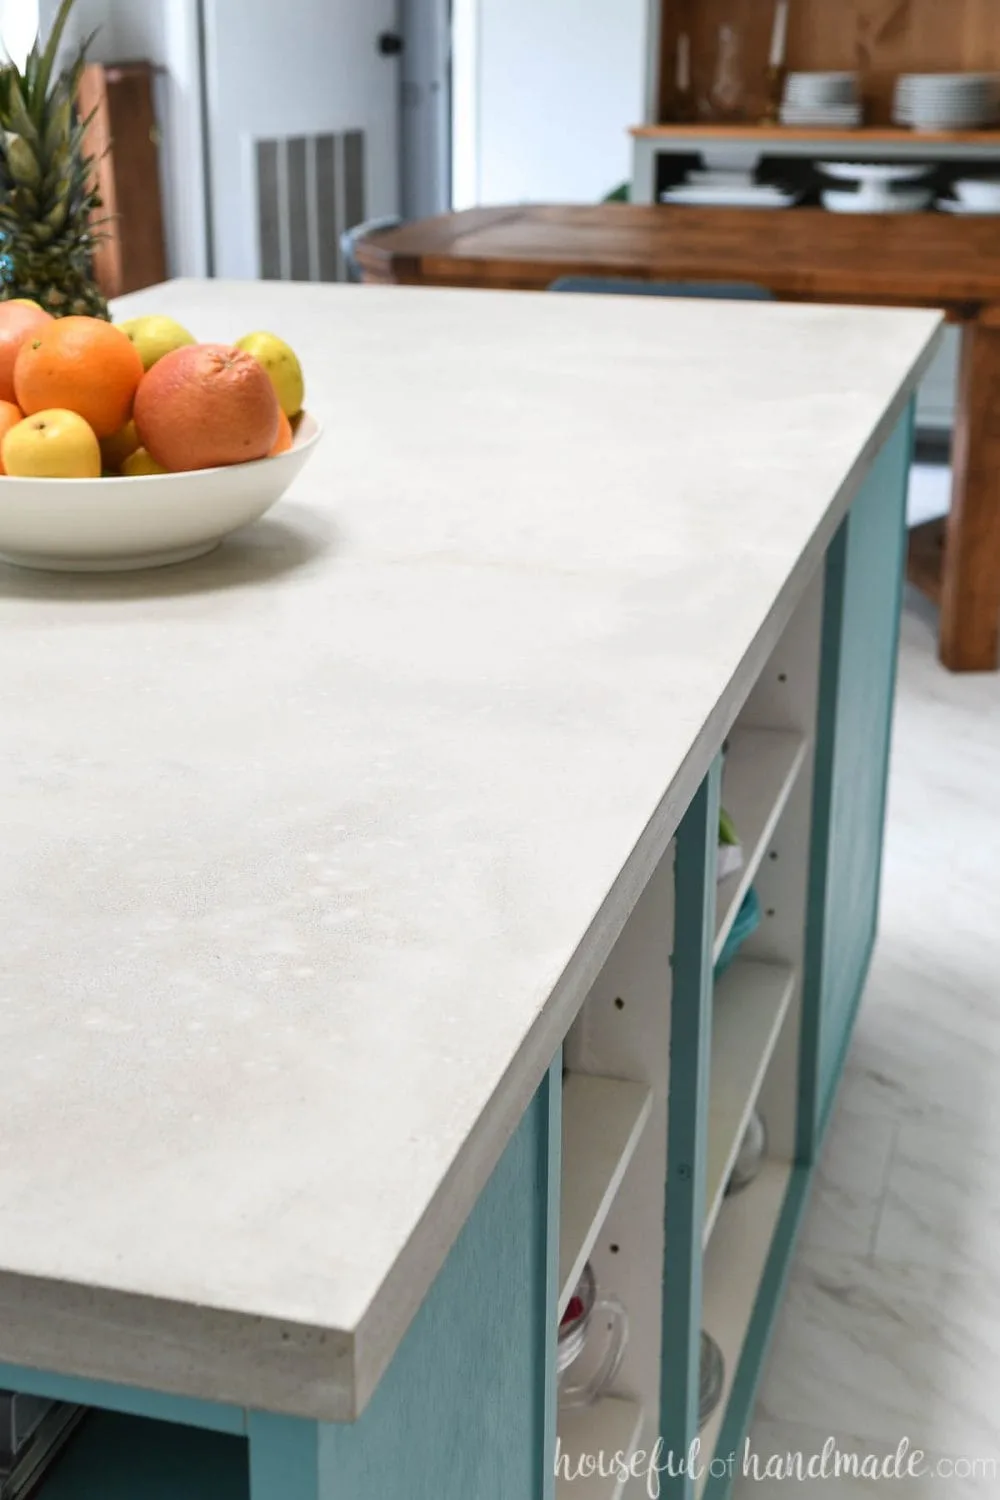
point(747, 922)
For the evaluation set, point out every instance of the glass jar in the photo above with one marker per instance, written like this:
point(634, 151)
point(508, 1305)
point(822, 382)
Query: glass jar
point(585, 1310)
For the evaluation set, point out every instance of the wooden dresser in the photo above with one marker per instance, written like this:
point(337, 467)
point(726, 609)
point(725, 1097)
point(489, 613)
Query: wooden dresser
point(125, 143)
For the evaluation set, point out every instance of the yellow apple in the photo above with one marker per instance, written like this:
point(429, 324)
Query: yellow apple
point(53, 444)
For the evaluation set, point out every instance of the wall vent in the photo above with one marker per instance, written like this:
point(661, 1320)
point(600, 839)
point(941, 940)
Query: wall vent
point(310, 188)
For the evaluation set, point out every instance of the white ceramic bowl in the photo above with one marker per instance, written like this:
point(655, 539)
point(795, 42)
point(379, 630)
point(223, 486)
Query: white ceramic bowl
point(978, 193)
point(115, 525)
point(838, 202)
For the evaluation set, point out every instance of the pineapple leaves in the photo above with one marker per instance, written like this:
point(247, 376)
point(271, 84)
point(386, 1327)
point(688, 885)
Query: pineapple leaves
point(22, 163)
point(59, 127)
point(17, 116)
point(47, 59)
point(49, 205)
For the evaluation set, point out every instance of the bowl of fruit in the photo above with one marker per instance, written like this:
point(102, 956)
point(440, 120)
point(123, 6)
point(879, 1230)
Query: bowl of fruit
point(131, 445)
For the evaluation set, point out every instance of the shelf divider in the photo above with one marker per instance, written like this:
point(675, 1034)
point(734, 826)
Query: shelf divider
point(603, 1119)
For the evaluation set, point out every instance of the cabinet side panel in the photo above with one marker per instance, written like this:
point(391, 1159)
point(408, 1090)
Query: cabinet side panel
point(861, 639)
point(467, 1406)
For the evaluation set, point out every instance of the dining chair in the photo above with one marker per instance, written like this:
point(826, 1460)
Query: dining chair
point(351, 239)
point(732, 291)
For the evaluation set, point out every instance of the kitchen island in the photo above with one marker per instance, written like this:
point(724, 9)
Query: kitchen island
point(361, 900)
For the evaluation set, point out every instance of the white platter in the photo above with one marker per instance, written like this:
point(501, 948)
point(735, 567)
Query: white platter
point(952, 206)
point(978, 192)
point(118, 525)
point(872, 172)
point(729, 197)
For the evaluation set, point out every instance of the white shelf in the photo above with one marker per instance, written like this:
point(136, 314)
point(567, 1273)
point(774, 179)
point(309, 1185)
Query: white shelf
point(734, 1264)
point(609, 1427)
point(603, 1119)
point(759, 772)
point(750, 1003)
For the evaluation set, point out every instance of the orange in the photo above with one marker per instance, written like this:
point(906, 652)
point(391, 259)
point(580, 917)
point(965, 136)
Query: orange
point(283, 441)
point(10, 415)
point(83, 365)
point(204, 405)
point(17, 321)
point(52, 445)
point(119, 446)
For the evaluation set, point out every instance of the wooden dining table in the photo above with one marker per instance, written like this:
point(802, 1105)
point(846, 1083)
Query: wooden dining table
point(807, 254)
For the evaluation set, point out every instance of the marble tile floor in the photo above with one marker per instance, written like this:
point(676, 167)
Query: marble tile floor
point(891, 1327)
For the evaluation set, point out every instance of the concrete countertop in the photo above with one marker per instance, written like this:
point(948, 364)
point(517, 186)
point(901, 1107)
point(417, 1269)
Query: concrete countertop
point(312, 848)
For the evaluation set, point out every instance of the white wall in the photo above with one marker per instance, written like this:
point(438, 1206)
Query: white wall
point(558, 83)
point(163, 32)
point(18, 25)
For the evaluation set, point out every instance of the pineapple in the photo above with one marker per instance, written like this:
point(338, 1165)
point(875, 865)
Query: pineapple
point(47, 194)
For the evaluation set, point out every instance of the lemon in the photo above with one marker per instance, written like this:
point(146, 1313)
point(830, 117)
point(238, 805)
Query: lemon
point(141, 462)
point(282, 365)
point(155, 336)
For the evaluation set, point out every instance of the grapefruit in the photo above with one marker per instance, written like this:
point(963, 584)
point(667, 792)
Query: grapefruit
point(10, 415)
point(206, 405)
point(17, 321)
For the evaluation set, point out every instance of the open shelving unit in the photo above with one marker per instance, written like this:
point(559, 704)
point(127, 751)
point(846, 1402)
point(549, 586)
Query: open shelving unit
point(733, 1269)
point(758, 775)
point(749, 1008)
point(614, 1176)
point(603, 1119)
point(756, 1005)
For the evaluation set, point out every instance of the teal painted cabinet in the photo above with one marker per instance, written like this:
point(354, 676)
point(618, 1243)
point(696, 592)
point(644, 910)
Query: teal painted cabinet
point(860, 642)
point(467, 1407)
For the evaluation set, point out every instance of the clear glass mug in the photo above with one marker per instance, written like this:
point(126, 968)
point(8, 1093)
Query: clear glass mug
point(585, 1308)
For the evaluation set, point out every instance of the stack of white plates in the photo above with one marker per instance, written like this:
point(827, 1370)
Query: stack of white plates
point(947, 101)
point(973, 195)
point(727, 189)
point(878, 189)
point(820, 100)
